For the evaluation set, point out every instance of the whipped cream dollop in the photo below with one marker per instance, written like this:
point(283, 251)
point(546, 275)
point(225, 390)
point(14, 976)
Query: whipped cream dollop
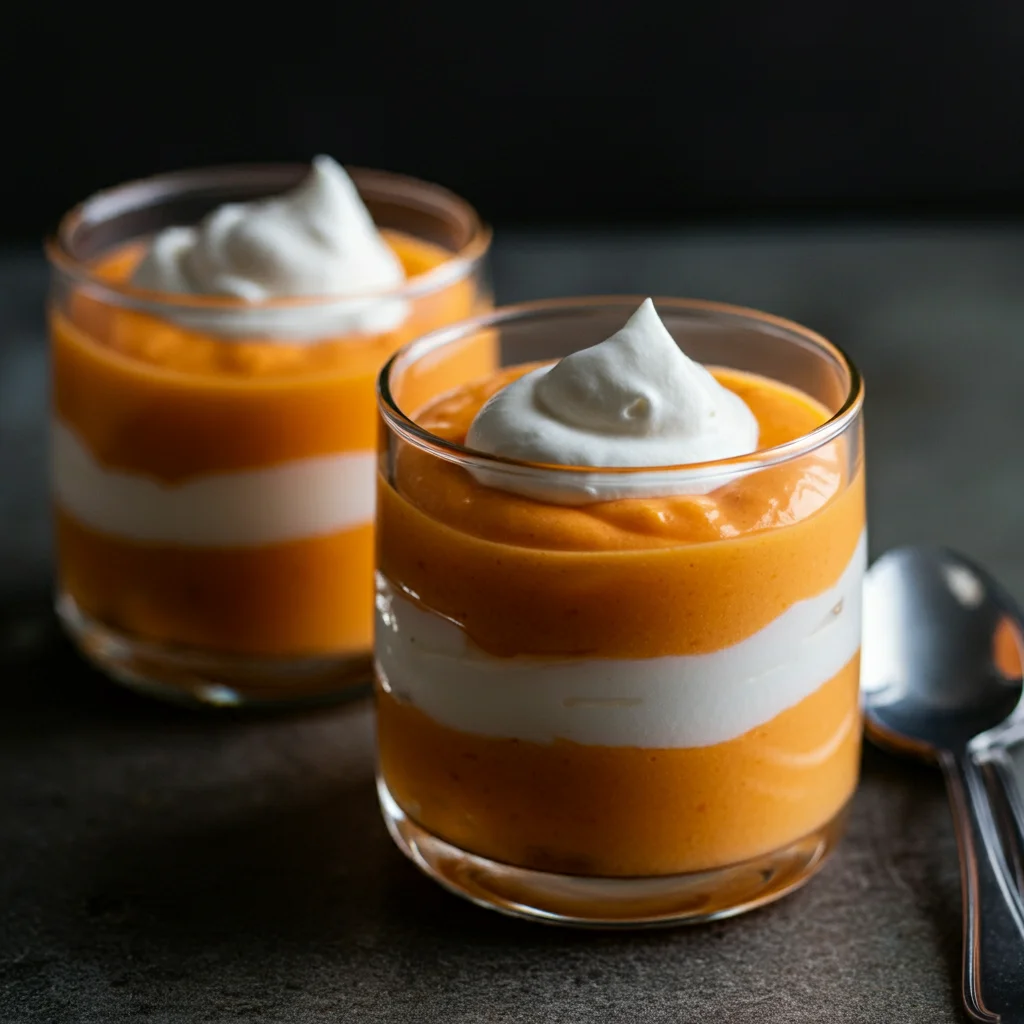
point(317, 241)
point(633, 400)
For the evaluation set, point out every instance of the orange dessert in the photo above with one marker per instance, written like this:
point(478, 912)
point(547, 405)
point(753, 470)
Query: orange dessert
point(214, 458)
point(612, 686)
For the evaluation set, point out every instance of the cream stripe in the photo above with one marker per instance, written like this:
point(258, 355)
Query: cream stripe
point(242, 509)
point(682, 701)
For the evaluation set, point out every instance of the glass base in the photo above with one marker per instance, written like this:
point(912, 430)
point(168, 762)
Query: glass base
point(207, 679)
point(583, 902)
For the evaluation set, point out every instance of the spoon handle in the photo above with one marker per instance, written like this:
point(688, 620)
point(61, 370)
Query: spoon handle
point(1008, 808)
point(993, 965)
point(994, 752)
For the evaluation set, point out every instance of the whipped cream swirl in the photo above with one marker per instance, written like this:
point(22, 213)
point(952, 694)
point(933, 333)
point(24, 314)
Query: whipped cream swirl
point(318, 240)
point(633, 400)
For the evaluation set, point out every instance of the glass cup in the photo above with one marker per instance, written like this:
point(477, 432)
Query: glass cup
point(634, 712)
point(213, 462)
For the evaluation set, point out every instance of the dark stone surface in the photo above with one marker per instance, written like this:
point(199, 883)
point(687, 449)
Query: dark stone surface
point(158, 865)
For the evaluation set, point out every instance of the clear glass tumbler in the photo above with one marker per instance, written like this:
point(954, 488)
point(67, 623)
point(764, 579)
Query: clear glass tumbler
point(629, 712)
point(213, 461)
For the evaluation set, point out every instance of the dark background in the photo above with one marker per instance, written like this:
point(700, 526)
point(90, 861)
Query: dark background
point(563, 113)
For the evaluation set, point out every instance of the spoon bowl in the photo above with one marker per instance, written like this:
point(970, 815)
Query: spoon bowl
point(941, 660)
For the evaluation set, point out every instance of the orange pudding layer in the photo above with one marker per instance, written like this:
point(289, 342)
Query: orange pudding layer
point(631, 583)
point(155, 401)
point(620, 811)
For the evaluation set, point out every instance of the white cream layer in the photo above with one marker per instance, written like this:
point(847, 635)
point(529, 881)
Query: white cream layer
point(670, 702)
point(250, 508)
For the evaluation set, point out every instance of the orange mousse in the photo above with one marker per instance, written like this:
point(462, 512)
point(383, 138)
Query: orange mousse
point(639, 687)
point(150, 411)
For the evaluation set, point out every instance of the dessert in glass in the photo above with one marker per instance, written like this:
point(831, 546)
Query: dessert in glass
point(216, 337)
point(618, 609)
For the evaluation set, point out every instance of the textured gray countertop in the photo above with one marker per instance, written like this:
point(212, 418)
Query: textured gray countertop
point(158, 865)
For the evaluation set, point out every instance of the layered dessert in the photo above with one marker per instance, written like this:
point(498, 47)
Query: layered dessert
point(592, 667)
point(214, 417)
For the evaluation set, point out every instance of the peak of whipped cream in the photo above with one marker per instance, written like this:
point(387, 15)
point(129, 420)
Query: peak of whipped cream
point(317, 241)
point(633, 400)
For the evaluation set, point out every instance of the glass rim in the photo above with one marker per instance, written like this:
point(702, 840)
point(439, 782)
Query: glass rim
point(132, 194)
point(402, 423)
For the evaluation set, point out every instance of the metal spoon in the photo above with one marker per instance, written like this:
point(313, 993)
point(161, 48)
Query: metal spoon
point(942, 677)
